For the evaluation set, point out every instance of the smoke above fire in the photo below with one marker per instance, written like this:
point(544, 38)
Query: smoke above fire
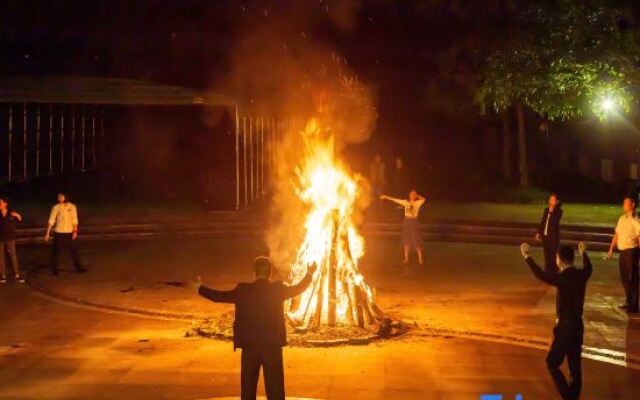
point(279, 70)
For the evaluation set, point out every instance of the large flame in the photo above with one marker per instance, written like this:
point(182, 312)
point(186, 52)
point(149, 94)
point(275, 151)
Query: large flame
point(338, 293)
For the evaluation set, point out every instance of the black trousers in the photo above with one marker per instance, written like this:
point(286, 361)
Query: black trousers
point(64, 241)
point(567, 342)
point(629, 275)
point(270, 359)
point(550, 246)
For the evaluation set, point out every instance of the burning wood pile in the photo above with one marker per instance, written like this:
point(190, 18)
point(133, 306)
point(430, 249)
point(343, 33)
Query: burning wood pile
point(338, 294)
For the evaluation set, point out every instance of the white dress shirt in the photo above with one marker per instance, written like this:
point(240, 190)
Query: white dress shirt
point(63, 218)
point(628, 230)
point(411, 208)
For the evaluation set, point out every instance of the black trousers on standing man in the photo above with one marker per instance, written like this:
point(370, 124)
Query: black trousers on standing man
point(550, 246)
point(270, 359)
point(64, 241)
point(567, 342)
point(629, 276)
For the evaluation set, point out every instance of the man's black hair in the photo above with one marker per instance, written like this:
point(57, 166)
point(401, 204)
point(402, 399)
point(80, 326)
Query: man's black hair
point(567, 254)
point(262, 266)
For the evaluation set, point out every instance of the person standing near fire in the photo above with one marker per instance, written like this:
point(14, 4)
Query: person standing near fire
point(411, 229)
point(568, 334)
point(259, 326)
point(8, 218)
point(549, 232)
point(63, 220)
point(627, 239)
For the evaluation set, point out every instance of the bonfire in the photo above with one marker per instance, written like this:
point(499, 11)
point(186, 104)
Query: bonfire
point(338, 294)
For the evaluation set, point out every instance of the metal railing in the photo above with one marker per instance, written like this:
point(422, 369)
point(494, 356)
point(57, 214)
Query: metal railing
point(256, 150)
point(37, 136)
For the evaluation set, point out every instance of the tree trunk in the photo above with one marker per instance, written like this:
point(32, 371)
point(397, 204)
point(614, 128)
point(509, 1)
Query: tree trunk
point(506, 148)
point(522, 148)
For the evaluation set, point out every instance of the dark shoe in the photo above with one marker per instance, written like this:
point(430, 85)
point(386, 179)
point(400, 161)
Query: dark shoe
point(81, 270)
point(20, 279)
point(3, 279)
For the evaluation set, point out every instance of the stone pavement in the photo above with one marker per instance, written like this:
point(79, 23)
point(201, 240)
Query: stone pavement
point(484, 324)
point(56, 351)
point(465, 289)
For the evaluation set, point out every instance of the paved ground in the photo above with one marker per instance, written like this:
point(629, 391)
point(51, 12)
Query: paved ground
point(56, 350)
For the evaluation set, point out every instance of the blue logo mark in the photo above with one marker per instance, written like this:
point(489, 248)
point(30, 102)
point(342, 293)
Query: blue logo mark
point(497, 397)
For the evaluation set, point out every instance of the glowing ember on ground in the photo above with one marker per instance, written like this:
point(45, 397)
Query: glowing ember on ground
point(338, 294)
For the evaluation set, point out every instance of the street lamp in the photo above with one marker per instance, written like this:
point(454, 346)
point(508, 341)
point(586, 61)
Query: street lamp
point(607, 105)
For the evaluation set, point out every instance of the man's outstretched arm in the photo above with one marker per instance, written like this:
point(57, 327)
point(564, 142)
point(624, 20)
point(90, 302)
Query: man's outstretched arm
point(294, 290)
point(548, 277)
point(219, 296)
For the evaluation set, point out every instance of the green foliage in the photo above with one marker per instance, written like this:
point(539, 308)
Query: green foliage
point(562, 58)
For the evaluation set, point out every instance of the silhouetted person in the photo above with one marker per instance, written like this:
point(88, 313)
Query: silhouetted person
point(571, 284)
point(627, 239)
point(549, 232)
point(399, 179)
point(8, 218)
point(377, 176)
point(63, 220)
point(259, 327)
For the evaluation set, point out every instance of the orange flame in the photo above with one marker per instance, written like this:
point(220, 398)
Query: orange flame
point(331, 240)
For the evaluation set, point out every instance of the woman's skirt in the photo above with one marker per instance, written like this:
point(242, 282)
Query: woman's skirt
point(411, 233)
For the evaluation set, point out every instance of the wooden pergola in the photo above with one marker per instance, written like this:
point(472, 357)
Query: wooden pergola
point(69, 110)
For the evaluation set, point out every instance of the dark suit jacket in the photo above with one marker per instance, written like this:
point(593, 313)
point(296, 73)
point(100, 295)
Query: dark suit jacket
point(571, 284)
point(259, 320)
point(553, 230)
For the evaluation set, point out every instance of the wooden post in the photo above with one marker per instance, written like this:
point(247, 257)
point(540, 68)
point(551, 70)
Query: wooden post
point(61, 139)
point(522, 148)
point(317, 316)
point(10, 138)
point(73, 137)
point(237, 128)
point(82, 139)
point(244, 160)
point(251, 159)
point(93, 137)
point(506, 148)
point(359, 306)
point(50, 140)
point(38, 127)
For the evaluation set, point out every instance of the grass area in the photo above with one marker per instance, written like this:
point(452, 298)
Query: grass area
point(573, 213)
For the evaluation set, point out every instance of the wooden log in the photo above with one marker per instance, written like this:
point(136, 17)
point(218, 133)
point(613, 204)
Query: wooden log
point(351, 306)
point(359, 307)
point(317, 316)
point(332, 265)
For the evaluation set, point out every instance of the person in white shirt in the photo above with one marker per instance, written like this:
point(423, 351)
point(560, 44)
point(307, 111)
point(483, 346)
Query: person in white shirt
point(627, 239)
point(63, 220)
point(411, 229)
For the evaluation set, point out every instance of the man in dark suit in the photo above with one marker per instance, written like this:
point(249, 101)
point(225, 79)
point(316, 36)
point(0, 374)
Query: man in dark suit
point(549, 232)
point(259, 327)
point(571, 284)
